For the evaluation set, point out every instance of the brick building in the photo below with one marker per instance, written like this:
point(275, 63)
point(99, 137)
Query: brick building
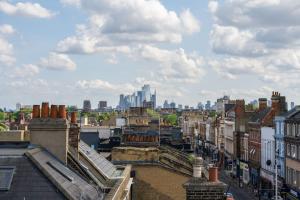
point(292, 155)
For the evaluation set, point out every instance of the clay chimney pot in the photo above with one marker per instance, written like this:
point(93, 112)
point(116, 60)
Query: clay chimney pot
point(36, 111)
point(62, 111)
point(45, 110)
point(213, 174)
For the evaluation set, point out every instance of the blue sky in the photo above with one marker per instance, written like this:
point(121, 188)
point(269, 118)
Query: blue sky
point(70, 50)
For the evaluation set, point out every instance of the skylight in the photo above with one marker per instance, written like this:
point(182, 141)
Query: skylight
point(6, 176)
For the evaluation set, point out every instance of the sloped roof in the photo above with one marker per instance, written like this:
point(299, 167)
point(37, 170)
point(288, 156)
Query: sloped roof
point(68, 182)
point(105, 167)
point(28, 182)
point(258, 116)
point(293, 113)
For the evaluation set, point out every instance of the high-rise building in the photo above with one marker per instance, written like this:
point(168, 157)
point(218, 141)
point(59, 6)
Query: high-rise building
point(200, 106)
point(208, 105)
point(138, 98)
point(102, 105)
point(87, 105)
point(18, 106)
point(166, 104)
point(292, 105)
point(172, 105)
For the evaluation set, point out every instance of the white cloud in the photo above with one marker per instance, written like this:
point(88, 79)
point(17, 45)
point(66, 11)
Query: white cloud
point(106, 86)
point(6, 29)
point(230, 40)
point(56, 61)
point(213, 6)
point(26, 9)
point(189, 22)
point(175, 65)
point(6, 52)
point(253, 40)
point(27, 70)
point(117, 25)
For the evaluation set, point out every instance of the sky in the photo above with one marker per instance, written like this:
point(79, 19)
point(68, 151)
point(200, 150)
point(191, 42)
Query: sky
point(189, 51)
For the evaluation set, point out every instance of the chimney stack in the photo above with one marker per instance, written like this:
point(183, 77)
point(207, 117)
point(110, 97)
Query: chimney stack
point(263, 103)
point(213, 174)
point(45, 110)
point(62, 112)
point(53, 113)
point(51, 133)
point(36, 111)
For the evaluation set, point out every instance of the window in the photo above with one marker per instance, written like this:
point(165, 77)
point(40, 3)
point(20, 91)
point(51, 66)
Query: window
point(294, 151)
point(294, 174)
point(277, 128)
point(298, 179)
point(287, 175)
point(282, 128)
point(6, 176)
point(288, 150)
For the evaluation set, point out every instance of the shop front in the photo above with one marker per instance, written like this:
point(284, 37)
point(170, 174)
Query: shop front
point(254, 177)
point(244, 170)
point(293, 194)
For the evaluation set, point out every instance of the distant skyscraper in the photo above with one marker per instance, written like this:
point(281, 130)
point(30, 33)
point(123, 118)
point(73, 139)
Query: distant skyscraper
point(102, 105)
point(166, 104)
point(208, 105)
point(172, 105)
point(200, 106)
point(147, 92)
point(87, 105)
point(138, 99)
point(18, 106)
point(292, 105)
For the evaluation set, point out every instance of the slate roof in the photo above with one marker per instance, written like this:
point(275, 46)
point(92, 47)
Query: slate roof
point(293, 113)
point(28, 181)
point(71, 184)
point(228, 107)
point(105, 167)
point(257, 117)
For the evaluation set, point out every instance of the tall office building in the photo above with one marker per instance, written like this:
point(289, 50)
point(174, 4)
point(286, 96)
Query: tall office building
point(138, 99)
point(292, 105)
point(102, 105)
point(18, 106)
point(87, 105)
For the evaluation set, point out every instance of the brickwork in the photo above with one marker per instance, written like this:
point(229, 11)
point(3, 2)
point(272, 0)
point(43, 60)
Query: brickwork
point(200, 188)
point(157, 182)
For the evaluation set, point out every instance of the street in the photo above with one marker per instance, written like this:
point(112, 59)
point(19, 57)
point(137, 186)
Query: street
point(238, 193)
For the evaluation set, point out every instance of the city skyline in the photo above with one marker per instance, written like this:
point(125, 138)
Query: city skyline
point(190, 51)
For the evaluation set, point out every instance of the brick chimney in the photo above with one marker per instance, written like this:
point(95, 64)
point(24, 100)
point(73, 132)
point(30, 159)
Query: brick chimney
point(74, 136)
point(278, 103)
point(240, 108)
point(50, 132)
point(199, 187)
point(263, 104)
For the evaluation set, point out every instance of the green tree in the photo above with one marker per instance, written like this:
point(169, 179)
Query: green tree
point(2, 116)
point(171, 119)
point(153, 114)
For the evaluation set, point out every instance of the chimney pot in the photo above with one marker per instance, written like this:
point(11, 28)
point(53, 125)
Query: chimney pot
point(62, 111)
point(53, 112)
point(73, 118)
point(36, 111)
point(213, 174)
point(45, 110)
